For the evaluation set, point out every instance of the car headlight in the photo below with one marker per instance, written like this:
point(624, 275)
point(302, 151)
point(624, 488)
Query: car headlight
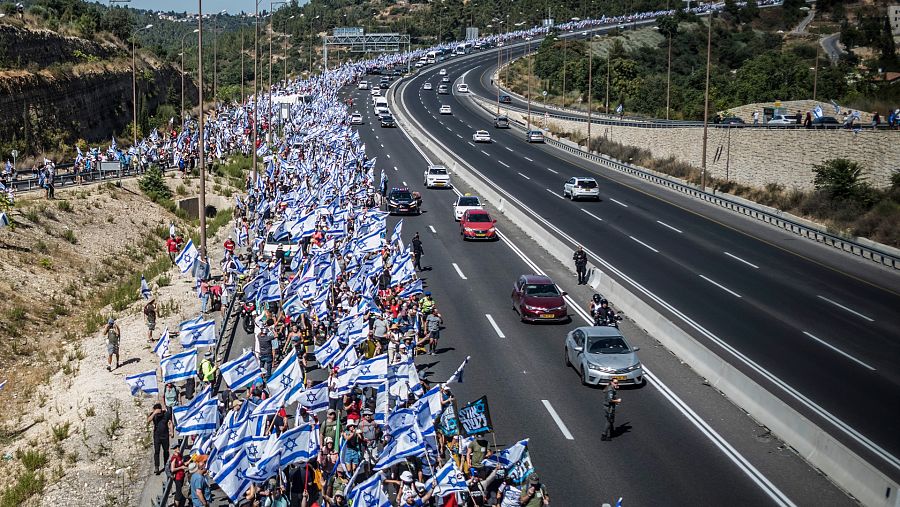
point(602, 369)
point(634, 366)
point(468, 229)
point(491, 230)
point(533, 308)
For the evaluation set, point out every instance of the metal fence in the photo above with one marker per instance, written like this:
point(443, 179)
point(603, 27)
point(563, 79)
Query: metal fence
point(67, 177)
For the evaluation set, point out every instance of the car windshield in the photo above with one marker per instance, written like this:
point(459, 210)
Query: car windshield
point(437, 170)
point(468, 201)
point(607, 345)
point(284, 241)
point(541, 290)
point(387, 117)
point(402, 195)
point(479, 217)
point(586, 184)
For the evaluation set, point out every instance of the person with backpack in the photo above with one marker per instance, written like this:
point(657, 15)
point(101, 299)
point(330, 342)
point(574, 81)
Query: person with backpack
point(113, 333)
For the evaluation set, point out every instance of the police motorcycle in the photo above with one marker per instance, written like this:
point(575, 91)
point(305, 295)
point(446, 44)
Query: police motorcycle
point(604, 315)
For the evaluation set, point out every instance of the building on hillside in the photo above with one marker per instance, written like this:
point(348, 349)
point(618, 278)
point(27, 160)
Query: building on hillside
point(894, 16)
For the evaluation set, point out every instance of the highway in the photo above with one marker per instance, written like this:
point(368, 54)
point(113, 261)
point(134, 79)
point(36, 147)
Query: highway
point(664, 454)
point(818, 328)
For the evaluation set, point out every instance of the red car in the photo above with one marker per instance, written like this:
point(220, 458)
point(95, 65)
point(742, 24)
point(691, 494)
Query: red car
point(536, 298)
point(477, 224)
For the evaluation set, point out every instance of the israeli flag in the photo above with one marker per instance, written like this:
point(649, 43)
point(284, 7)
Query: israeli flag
point(232, 478)
point(395, 237)
point(458, 374)
point(287, 377)
point(143, 382)
point(297, 445)
point(180, 366)
point(406, 443)
point(619, 109)
point(326, 353)
point(817, 111)
point(4, 220)
point(270, 405)
point(294, 306)
point(2, 385)
point(450, 479)
point(161, 348)
point(270, 292)
point(381, 403)
point(200, 333)
point(200, 417)
point(371, 242)
point(315, 399)
point(515, 460)
point(412, 289)
point(242, 371)
point(372, 372)
point(400, 419)
point(187, 257)
point(369, 493)
point(837, 108)
point(145, 289)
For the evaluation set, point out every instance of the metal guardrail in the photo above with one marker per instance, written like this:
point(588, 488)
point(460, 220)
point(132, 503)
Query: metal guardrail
point(68, 179)
point(231, 317)
point(845, 244)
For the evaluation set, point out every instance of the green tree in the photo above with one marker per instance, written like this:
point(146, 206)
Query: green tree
point(840, 178)
point(154, 185)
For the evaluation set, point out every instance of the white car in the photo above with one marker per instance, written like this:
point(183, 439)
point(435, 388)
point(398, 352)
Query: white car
point(376, 92)
point(356, 119)
point(464, 203)
point(426, 86)
point(285, 243)
point(481, 136)
point(581, 188)
point(363, 85)
point(462, 88)
point(442, 72)
point(445, 109)
point(420, 64)
point(782, 119)
point(437, 176)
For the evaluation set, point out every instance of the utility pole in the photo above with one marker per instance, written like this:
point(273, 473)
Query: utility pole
point(201, 204)
point(816, 72)
point(706, 101)
point(608, 67)
point(242, 64)
point(529, 87)
point(255, 93)
point(669, 75)
point(590, 90)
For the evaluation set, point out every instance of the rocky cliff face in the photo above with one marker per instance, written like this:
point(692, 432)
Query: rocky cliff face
point(79, 89)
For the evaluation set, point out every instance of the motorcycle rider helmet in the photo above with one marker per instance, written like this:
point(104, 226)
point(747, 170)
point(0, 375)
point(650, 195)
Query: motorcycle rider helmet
point(603, 302)
point(597, 298)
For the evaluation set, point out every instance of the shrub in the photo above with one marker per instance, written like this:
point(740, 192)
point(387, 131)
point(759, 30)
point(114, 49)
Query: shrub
point(840, 178)
point(69, 235)
point(154, 185)
point(64, 206)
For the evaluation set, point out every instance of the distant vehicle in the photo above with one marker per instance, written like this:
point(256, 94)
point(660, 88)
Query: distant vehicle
point(387, 120)
point(384, 84)
point(465, 203)
point(500, 44)
point(826, 122)
point(732, 120)
point(537, 298)
point(380, 106)
point(426, 86)
point(462, 88)
point(401, 200)
point(481, 136)
point(443, 89)
point(477, 224)
point(421, 63)
point(442, 72)
point(534, 136)
point(363, 85)
point(437, 176)
point(600, 354)
point(397, 72)
point(445, 79)
point(430, 57)
point(581, 188)
point(356, 119)
point(505, 99)
point(445, 109)
point(376, 92)
point(501, 122)
point(782, 119)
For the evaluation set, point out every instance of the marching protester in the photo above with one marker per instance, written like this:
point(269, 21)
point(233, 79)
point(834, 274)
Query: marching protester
point(113, 333)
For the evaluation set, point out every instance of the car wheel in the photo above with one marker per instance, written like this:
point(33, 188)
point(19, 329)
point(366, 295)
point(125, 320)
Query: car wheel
point(566, 354)
point(584, 381)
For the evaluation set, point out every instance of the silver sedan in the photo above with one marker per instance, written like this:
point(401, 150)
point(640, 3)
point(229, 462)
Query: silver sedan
point(601, 353)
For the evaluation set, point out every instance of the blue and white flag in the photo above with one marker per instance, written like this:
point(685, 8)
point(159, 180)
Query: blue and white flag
point(161, 348)
point(199, 417)
point(371, 242)
point(412, 289)
point(2, 385)
point(143, 382)
point(242, 371)
point(328, 350)
point(180, 366)
point(296, 445)
point(145, 289)
point(406, 443)
point(4, 220)
point(372, 372)
point(450, 479)
point(458, 374)
point(619, 109)
point(187, 257)
point(837, 108)
point(369, 493)
point(270, 405)
point(817, 111)
point(198, 333)
point(515, 460)
point(315, 399)
point(287, 377)
point(395, 236)
point(232, 477)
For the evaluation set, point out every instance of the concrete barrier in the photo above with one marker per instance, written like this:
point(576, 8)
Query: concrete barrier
point(841, 464)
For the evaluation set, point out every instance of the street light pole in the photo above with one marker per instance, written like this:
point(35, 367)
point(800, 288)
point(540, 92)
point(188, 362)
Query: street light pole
point(201, 204)
point(134, 83)
point(590, 90)
point(565, 48)
point(255, 92)
point(816, 73)
point(216, 55)
point(182, 76)
point(706, 101)
point(242, 64)
point(529, 86)
point(669, 75)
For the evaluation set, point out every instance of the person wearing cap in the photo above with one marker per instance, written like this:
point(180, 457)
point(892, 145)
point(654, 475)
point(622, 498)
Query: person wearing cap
point(113, 334)
point(330, 425)
point(207, 370)
point(405, 486)
point(150, 315)
point(177, 469)
point(353, 445)
point(370, 429)
point(201, 494)
point(229, 246)
point(422, 494)
point(535, 494)
point(328, 455)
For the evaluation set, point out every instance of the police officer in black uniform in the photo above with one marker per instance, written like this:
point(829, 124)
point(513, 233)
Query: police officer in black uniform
point(610, 400)
point(580, 259)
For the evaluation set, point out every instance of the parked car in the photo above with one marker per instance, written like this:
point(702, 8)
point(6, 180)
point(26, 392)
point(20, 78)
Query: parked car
point(537, 298)
point(782, 119)
point(600, 354)
point(826, 122)
point(732, 120)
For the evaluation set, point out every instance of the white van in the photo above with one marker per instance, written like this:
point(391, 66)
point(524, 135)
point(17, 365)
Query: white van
point(381, 105)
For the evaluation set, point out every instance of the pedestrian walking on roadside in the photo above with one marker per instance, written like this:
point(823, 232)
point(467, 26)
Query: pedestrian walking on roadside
point(177, 469)
point(580, 259)
point(417, 251)
point(201, 493)
point(756, 117)
point(150, 314)
point(113, 334)
point(610, 401)
point(162, 430)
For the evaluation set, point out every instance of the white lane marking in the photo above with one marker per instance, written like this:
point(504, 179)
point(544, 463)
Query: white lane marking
point(504, 164)
point(669, 226)
point(395, 168)
point(528, 159)
point(486, 153)
point(494, 325)
point(376, 137)
point(620, 203)
point(559, 423)
point(470, 143)
point(431, 227)
point(591, 214)
point(787, 388)
point(388, 155)
point(854, 312)
point(382, 146)
point(749, 470)
point(459, 272)
point(404, 184)
point(508, 148)
point(554, 193)
point(645, 244)
point(719, 285)
point(520, 174)
point(839, 351)
point(552, 171)
point(373, 129)
point(459, 136)
point(735, 257)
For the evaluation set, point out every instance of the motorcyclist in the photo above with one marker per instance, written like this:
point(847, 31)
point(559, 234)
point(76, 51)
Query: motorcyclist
point(602, 313)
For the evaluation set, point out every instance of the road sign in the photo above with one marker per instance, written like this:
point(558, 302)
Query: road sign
point(15, 153)
point(544, 93)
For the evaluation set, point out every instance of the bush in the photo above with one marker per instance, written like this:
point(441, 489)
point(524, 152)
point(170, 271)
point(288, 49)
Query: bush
point(64, 206)
point(153, 184)
point(840, 178)
point(69, 235)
